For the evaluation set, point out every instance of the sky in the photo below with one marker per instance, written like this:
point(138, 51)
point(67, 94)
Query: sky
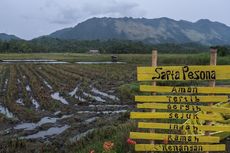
point(29, 19)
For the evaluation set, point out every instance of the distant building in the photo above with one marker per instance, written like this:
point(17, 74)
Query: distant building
point(94, 51)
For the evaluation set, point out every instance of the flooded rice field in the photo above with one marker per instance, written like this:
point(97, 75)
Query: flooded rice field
point(107, 62)
point(43, 102)
point(33, 61)
point(44, 61)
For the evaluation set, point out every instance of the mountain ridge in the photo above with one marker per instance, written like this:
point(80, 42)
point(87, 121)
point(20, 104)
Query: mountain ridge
point(7, 37)
point(159, 30)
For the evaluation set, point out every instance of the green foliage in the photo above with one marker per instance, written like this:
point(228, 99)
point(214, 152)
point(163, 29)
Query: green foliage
point(48, 45)
point(116, 134)
point(128, 91)
point(223, 50)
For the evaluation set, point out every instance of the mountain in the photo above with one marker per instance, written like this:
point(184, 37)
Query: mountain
point(160, 30)
point(6, 37)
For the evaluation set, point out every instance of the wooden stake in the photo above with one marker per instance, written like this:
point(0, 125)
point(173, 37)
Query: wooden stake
point(154, 63)
point(213, 59)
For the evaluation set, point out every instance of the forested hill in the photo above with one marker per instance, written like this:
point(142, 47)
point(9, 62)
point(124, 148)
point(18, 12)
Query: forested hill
point(155, 31)
point(126, 35)
point(6, 37)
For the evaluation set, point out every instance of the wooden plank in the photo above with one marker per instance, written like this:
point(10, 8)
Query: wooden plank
point(192, 127)
point(184, 107)
point(154, 83)
point(180, 148)
point(185, 90)
point(181, 98)
point(174, 137)
point(173, 115)
point(179, 73)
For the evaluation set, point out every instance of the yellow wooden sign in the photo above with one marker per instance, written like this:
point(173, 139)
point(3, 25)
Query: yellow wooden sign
point(192, 127)
point(179, 148)
point(175, 115)
point(185, 107)
point(185, 90)
point(181, 98)
point(174, 137)
point(221, 105)
point(179, 73)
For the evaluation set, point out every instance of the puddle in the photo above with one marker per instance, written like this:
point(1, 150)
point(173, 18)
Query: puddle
point(30, 60)
point(96, 91)
point(56, 96)
point(35, 102)
point(6, 82)
point(44, 120)
point(85, 112)
point(5, 85)
point(80, 98)
point(26, 126)
point(20, 101)
point(35, 61)
point(58, 112)
point(5, 132)
point(102, 112)
point(94, 97)
point(90, 120)
point(57, 62)
point(6, 112)
point(107, 62)
point(47, 84)
point(50, 132)
point(28, 88)
point(31, 126)
point(72, 93)
point(119, 106)
point(114, 112)
point(66, 116)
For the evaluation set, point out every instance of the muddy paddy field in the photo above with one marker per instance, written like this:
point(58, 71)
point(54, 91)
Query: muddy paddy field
point(43, 101)
point(63, 102)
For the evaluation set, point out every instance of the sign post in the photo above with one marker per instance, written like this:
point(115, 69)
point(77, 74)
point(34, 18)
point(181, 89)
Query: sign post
point(184, 121)
point(213, 59)
point(154, 63)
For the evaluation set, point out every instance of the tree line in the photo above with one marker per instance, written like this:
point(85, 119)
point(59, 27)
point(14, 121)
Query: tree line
point(49, 45)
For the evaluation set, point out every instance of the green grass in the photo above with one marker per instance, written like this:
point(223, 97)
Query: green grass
point(128, 91)
point(140, 59)
point(116, 134)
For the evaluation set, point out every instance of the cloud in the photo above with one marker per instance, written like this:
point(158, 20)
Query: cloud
point(70, 14)
point(32, 18)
